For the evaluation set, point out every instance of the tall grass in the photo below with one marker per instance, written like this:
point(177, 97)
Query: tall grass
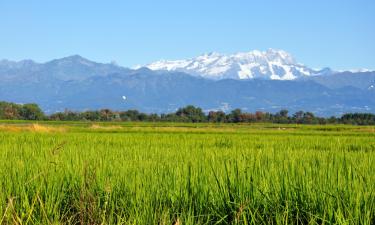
point(187, 175)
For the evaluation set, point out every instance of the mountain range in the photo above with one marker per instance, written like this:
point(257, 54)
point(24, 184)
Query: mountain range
point(264, 81)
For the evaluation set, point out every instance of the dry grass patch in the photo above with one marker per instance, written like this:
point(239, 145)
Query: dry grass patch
point(97, 126)
point(10, 128)
point(45, 129)
point(32, 128)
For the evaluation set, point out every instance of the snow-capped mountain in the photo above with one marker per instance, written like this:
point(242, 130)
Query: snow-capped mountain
point(271, 64)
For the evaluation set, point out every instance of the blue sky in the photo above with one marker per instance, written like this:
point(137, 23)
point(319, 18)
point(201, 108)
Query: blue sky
point(319, 33)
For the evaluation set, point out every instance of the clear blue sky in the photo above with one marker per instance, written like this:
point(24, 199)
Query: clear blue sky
point(319, 33)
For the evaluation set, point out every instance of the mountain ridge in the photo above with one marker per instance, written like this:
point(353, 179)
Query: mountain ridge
point(78, 59)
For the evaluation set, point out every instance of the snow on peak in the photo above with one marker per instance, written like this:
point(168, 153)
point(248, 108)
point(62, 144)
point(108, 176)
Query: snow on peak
point(363, 70)
point(271, 64)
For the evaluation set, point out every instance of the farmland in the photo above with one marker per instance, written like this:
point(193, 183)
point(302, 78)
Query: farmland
point(177, 173)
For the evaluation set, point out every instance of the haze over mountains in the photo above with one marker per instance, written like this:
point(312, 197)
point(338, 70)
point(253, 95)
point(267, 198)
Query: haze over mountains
point(265, 81)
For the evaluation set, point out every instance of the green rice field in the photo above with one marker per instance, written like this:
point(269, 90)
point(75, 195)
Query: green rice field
point(175, 173)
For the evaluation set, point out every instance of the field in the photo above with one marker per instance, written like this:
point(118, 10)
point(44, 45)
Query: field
point(145, 173)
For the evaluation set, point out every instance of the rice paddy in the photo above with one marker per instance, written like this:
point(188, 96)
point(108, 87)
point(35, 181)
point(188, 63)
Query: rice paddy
point(171, 173)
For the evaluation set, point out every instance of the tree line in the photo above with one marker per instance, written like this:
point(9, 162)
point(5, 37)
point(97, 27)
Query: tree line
point(12, 111)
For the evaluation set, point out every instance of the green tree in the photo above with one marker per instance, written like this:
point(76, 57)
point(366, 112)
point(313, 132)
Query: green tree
point(90, 115)
point(216, 117)
point(235, 116)
point(31, 112)
point(191, 114)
